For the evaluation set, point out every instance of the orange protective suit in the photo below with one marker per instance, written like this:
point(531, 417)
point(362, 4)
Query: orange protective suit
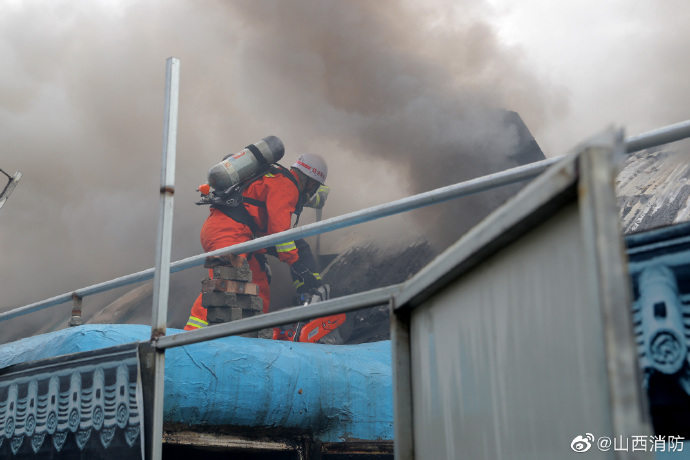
point(270, 201)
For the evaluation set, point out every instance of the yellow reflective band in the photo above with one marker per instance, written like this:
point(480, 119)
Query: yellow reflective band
point(201, 321)
point(196, 322)
point(286, 247)
point(269, 175)
point(299, 283)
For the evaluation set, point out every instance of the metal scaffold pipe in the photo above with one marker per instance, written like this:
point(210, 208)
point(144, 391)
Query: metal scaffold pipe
point(665, 135)
point(167, 195)
point(163, 248)
point(643, 141)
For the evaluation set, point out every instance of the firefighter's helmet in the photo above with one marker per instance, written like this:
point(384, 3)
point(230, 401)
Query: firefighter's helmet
point(313, 166)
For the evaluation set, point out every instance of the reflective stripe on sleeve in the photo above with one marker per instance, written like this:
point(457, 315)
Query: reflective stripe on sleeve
point(286, 247)
point(195, 322)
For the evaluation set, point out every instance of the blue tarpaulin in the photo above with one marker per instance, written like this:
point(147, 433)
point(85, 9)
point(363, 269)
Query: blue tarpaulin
point(336, 392)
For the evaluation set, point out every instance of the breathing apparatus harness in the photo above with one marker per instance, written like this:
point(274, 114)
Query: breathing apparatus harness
point(231, 201)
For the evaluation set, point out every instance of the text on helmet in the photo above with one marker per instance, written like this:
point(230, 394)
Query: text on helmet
point(312, 169)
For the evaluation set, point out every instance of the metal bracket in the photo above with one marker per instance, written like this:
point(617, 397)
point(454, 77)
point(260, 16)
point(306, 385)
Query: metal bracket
point(76, 319)
point(9, 187)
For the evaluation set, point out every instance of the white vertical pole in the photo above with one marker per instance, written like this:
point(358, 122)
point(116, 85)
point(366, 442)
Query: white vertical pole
point(161, 278)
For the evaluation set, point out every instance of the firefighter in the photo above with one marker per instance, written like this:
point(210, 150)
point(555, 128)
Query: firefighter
point(268, 205)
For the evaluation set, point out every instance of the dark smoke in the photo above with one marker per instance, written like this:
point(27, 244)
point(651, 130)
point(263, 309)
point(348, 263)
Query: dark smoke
point(382, 84)
point(398, 100)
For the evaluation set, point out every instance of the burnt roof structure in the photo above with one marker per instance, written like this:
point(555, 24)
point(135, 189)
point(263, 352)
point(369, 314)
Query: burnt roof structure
point(653, 189)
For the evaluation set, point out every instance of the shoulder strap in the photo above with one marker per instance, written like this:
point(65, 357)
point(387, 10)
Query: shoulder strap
point(274, 168)
point(280, 169)
point(254, 202)
point(263, 163)
point(239, 214)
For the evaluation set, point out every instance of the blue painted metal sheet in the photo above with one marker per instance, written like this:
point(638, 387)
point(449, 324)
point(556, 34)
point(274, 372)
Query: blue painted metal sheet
point(338, 393)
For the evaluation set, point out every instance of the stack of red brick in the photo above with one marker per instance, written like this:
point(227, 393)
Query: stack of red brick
point(230, 295)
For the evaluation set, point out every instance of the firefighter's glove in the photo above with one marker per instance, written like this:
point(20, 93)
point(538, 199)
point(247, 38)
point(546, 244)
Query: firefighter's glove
point(308, 278)
point(318, 199)
point(310, 281)
point(314, 295)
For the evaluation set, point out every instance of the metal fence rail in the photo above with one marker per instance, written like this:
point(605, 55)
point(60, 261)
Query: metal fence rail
point(154, 368)
point(653, 138)
point(380, 296)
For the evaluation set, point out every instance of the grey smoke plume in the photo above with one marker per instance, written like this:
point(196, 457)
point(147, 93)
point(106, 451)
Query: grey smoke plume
point(398, 99)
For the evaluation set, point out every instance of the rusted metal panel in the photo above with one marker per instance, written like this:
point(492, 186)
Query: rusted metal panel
point(229, 442)
point(356, 450)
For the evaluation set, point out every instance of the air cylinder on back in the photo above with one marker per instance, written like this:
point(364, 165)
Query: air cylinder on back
point(255, 158)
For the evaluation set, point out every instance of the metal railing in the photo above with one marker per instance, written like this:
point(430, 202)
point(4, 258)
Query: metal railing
point(163, 268)
point(653, 138)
